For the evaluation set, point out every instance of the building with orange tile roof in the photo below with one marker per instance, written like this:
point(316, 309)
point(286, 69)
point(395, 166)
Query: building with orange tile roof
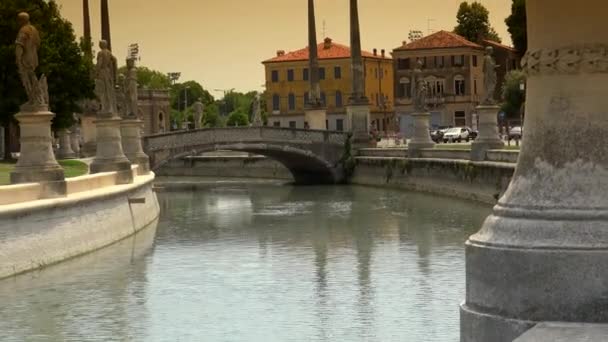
point(287, 86)
point(453, 70)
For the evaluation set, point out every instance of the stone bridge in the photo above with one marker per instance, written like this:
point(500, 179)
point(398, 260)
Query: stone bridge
point(312, 156)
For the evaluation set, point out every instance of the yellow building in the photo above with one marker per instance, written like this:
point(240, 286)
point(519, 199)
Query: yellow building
point(287, 86)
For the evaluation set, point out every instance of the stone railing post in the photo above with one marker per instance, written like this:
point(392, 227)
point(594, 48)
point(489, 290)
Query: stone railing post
point(65, 145)
point(131, 143)
point(422, 135)
point(488, 138)
point(542, 254)
point(110, 155)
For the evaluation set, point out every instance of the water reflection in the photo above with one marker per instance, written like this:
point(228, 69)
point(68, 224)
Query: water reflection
point(260, 262)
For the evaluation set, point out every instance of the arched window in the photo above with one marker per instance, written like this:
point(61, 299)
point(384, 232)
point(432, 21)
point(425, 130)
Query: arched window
point(292, 101)
point(338, 99)
point(161, 122)
point(276, 102)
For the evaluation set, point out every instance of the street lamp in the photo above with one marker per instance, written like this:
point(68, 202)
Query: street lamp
point(174, 76)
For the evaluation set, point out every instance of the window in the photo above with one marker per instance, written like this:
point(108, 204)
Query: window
point(275, 76)
point(439, 61)
point(460, 118)
point(338, 99)
point(339, 125)
point(321, 73)
point(305, 75)
point(277, 124)
point(423, 60)
point(403, 63)
point(376, 72)
point(327, 124)
point(290, 75)
point(337, 73)
point(475, 87)
point(323, 98)
point(458, 60)
point(276, 102)
point(404, 88)
point(306, 98)
point(292, 102)
point(459, 86)
point(292, 124)
point(474, 60)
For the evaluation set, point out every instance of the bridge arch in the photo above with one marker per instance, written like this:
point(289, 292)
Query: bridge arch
point(313, 157)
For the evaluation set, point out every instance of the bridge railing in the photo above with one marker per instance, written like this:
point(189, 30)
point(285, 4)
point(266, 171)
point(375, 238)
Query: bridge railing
point(211, 136)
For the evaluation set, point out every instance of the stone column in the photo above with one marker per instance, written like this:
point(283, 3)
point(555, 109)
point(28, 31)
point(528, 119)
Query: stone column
point(131, 144)
point(422, 135)
point(542, 254)
point(75, 140)
point(37, 161)
point(110, 155)
point(314, 113)
point(65, 145)
point(357, 110)
point(488, 138)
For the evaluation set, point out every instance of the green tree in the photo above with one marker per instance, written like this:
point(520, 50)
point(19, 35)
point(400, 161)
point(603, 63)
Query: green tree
point(62, 60)
point(148, 78)
point(183, 95)
point(212, 118)
point(517, 26)
point(474, 23)
point(238, 118)
point(512, 94)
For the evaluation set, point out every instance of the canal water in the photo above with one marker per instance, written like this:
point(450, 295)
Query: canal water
point(261, 261)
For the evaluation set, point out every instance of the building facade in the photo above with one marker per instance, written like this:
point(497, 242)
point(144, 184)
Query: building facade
point(453, 70)
point(287, 86)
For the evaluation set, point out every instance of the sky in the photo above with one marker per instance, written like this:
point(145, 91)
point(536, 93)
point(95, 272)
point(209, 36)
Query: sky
point(221, 43)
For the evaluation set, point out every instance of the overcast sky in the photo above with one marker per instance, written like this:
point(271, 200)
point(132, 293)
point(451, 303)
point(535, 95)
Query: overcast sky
point(221, 43)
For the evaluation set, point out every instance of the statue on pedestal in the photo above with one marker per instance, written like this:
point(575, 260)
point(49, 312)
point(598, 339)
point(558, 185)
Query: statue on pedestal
point(257, 111)
point(420, 91)
point(130, 87)
point(489, 76)
point(26, 52)
point(105, 79)
point(198, 108)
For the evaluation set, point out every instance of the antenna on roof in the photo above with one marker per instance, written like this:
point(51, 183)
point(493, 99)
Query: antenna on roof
point(428, 25)
point(324, 29)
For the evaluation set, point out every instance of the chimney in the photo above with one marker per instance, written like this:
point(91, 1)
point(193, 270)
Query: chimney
point(280, 53)
point(327, 43)
point(375, 52)
point(382, 52)
point(404, 43)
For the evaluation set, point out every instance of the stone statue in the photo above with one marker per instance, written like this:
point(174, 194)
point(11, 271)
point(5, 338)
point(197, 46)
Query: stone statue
point(26, 52)
point(257, 111)
point(198, 108)
point(130, 87)
point(489, 76)
point(420, 90)
point(105, 79)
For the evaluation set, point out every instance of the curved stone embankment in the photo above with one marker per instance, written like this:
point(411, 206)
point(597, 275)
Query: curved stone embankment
point(39, 233)
point(240, 166)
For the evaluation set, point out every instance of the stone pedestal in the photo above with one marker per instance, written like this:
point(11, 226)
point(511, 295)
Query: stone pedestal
point(65, 145)
point(110, 156)
point(75, 140)
point(488, 138)
point(358, 120)
point(316, 118)
point(37, 161)
point(131, 144)
point(89, 135)
point(422, 135)
point(542, 254)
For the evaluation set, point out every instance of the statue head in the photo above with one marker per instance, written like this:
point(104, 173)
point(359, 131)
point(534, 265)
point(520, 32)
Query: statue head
point(103, 44)
point(130, 63)
point(489, 50)
point(23, 18)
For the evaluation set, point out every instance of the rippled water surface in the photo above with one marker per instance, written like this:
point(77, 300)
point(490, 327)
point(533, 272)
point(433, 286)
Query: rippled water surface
point(261, 262)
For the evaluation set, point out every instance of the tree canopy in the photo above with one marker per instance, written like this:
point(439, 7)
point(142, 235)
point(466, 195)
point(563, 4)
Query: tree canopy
point(517, 26)
point(148, 78)
point(512, 94)
point(474, 23)
point(238, 118)
point(61, 59)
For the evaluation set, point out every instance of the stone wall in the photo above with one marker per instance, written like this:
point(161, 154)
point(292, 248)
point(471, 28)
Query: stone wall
point(39, 233)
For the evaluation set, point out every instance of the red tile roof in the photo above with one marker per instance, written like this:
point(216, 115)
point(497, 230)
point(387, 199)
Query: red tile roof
point(498, 45)
point(326, 50)
point(439, 40)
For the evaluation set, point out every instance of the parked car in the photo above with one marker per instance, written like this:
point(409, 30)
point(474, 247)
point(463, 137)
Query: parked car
point(457, 134)
point(438, 132)
point(515, 133)
point(473, 134)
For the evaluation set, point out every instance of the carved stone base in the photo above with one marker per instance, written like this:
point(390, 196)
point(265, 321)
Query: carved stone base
point(316, 118)
point(37, 161)
point(131, 144)
point(488, 138)
point(358, 119)
point(422, 135)
point(65, 145)
point(110, 155)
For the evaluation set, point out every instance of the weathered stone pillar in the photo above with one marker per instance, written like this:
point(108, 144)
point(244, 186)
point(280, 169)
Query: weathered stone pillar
point(75, 140)
point(542, 255)
point(131, 144)
point(422, 135)
point(37, 161)
point(315, 113)
point(488, 138)
point(65, 145)
point(110, 155)
point(357, 111)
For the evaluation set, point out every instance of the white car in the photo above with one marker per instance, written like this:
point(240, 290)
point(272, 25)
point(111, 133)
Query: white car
point(457, 134)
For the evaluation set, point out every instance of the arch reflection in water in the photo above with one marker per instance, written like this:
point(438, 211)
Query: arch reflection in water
point(255, 262)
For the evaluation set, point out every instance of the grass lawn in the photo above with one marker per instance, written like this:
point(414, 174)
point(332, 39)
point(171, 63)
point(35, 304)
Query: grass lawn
point(72, 168)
